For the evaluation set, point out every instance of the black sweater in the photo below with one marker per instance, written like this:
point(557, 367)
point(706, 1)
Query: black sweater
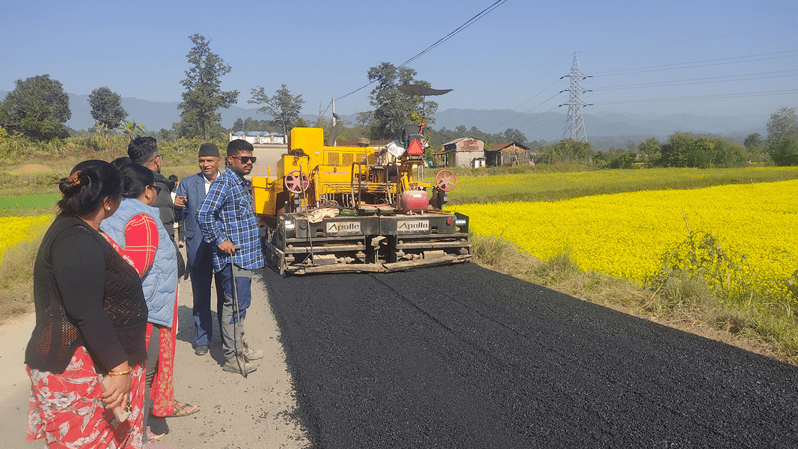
point(85, 295)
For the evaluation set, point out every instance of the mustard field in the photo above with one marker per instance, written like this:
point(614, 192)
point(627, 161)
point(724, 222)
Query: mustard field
point(17, 229)
point(625, 235)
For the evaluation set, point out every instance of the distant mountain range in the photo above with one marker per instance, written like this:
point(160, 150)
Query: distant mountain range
point(602, 128)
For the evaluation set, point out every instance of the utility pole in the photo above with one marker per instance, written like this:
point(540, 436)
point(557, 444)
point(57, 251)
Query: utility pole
point(574, 124)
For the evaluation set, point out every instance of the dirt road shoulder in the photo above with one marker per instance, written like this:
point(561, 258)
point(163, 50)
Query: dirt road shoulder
point(236, 412)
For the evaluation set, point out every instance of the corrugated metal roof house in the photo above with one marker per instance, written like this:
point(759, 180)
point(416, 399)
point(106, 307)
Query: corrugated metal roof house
point(508, 153)
point(463, 152)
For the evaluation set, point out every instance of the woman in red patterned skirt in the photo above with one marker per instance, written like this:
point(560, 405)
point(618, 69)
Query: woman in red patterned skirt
point(86, 355)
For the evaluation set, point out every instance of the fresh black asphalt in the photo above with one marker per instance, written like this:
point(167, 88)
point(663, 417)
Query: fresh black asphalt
point(464, 357)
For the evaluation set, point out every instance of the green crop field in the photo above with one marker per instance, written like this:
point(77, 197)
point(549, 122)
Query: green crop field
point(43, 201)
point(478, 186)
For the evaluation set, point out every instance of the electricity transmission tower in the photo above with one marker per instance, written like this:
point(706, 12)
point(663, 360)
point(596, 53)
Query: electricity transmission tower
point(574, 124)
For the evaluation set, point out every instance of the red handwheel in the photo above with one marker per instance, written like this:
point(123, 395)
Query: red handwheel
point(296, 182)
point(446, 180)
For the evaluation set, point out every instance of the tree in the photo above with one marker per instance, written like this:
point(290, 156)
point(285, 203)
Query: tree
point(753, 141)
point(133, 129)
point(782, 143)
point(785, 151)
point(514, 135)
point(571, 151)
point(566, 151)
point(393, 107)
point(238, 125)
point(685, 150)
point(781, 124)
point(37, 107)
point(251, 124)
point(650, 151)
point(283, 107)
point(726, 153)
point(203, 95)
point(615, 159)
point(753, 144)
point(365, 119)
point(106, 108)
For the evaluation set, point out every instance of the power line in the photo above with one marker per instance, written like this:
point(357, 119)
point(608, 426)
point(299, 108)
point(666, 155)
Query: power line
point(555, 67)
point(716, 79)
point(502, 121)
point(678, 41)
point(704, 63)
point(456, 31)
point(706, 97)
point(674, 66)
point(530, 109)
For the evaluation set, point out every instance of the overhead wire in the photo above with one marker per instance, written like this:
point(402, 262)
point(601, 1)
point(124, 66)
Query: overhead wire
point(647, 69)
point(502, 122)
point(693, 81)
point(704, 63)
point(706, 97)
point(715, 79)
point(440, 41)
point(529, 110)
point(457, 30)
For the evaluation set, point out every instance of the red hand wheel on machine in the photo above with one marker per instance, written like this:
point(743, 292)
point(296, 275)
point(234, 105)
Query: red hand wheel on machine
point(446, 180)
point(296, 182)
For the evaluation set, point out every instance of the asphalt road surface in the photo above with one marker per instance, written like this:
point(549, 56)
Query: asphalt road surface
point(463, 357)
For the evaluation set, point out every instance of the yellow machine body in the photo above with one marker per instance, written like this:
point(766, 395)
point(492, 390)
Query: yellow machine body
point(332, 208)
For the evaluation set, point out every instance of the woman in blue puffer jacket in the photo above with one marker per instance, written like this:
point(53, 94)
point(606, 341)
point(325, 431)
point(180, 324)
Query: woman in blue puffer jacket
point(137, 227)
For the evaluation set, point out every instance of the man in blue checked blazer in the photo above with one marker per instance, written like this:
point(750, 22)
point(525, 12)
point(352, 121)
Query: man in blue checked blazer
point(190, 194)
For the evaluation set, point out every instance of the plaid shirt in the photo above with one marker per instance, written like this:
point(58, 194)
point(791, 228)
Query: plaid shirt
point(227, 213)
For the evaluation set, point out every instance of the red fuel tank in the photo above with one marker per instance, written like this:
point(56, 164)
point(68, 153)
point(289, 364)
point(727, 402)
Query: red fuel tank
point(414, 200)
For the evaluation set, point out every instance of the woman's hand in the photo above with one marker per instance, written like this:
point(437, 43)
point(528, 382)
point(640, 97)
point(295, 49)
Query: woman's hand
point(117, 387)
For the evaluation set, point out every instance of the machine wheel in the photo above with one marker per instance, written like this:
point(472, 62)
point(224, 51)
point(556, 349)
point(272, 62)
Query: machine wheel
point(446, 180)
point(296, 182)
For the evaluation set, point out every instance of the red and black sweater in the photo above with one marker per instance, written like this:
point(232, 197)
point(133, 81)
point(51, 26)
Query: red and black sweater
point(85, 294)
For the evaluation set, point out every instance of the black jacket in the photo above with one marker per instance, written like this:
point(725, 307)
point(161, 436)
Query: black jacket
point(164, 203)
point(166, 207)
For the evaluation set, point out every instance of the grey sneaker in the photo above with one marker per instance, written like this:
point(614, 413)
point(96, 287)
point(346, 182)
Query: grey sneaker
point(252, 354)
point(237, 364)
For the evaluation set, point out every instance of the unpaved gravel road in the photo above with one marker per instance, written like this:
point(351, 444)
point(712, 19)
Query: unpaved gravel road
point(236, 413)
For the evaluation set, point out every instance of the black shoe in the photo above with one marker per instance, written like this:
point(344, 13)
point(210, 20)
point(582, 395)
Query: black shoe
point(201, 349)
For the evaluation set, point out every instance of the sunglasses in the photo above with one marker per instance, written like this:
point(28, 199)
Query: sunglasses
point(245, 159)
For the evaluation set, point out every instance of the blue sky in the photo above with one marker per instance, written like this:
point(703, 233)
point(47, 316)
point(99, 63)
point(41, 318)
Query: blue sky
point(699, 57)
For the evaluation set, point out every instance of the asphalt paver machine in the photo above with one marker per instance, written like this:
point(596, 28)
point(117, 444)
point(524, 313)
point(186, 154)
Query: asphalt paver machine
point(357, 208)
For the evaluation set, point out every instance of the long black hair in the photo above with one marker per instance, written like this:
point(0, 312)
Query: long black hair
point(89, 183)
